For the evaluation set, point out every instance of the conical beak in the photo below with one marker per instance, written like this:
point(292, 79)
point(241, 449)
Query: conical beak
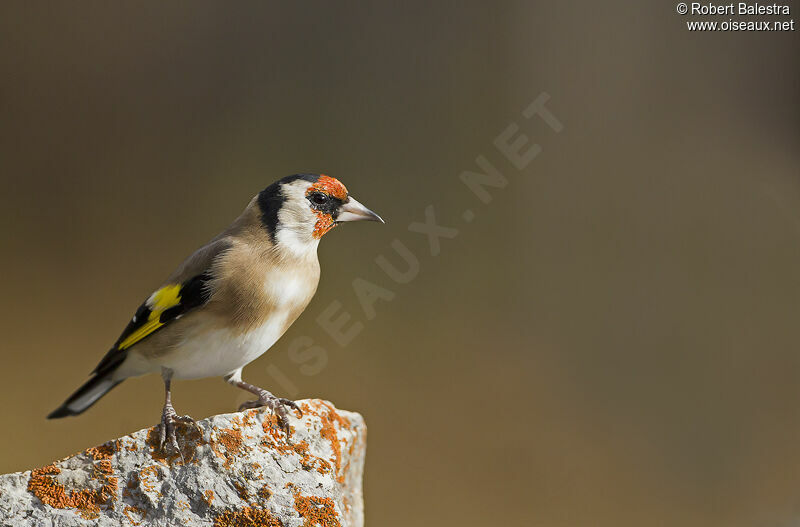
point(352, 210)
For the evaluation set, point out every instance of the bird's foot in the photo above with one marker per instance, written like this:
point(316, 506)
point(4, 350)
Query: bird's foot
point(168, 426)
point(278, 406)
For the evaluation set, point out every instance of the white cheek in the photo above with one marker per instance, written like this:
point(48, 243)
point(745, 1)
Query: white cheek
point(296, 221)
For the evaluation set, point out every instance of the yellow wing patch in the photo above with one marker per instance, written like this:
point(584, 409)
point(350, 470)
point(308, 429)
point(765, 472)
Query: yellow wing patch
point(163, 299)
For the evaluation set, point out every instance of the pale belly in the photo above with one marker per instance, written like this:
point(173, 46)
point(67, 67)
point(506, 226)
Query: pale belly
point(209, 352)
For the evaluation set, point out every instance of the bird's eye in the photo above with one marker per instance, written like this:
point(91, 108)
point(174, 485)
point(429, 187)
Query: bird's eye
point(318, 198)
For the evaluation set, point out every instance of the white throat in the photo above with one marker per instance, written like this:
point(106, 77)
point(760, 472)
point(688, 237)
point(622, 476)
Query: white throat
point(298, 245)
point(295, 229)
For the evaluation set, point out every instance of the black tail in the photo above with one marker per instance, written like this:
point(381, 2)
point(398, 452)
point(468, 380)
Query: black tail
point(85, 396)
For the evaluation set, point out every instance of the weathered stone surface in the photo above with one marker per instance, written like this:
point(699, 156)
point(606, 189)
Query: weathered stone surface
point(237, 469)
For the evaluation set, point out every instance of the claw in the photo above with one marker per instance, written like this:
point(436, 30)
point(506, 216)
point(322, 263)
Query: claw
point(162, 435)
point(293, 405)
point(167, 429)
point(166, 432)
point(186, 419)
point(278, 407)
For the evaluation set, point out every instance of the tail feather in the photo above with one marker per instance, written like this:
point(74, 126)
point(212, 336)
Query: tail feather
point(85, 396)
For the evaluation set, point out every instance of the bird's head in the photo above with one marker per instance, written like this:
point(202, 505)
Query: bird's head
point(298, 210)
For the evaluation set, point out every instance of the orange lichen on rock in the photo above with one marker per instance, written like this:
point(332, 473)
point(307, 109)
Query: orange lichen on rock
point(264, 493)
point(248, 418)
point(329, 418)
point(350, 451)
point(309, 461)
point(272, 429)
point(104, 451)
point(241, 490)
point(316, 511)
point(149, 486)
point(247, 517)
point(139, 513)
point(277, 440)
point(260, 475)
point(231, 440)
point(44, 486)
point(208, 496)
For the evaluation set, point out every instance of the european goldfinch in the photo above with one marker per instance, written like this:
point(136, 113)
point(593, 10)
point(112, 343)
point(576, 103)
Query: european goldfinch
point(231, 300)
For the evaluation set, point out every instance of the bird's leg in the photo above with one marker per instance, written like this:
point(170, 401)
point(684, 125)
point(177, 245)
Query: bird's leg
point(169, 418)
point(276, 404)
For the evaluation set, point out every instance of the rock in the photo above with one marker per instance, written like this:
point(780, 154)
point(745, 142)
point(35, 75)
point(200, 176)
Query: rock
point(237, 470)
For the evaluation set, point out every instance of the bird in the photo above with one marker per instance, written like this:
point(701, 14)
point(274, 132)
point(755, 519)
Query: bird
point(229, 301)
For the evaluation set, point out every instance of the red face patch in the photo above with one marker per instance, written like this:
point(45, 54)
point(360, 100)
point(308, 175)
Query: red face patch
point(334, 188)
point(330, 186)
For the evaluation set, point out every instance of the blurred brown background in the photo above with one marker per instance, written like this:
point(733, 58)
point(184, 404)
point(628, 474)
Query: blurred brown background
point(612, 341)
